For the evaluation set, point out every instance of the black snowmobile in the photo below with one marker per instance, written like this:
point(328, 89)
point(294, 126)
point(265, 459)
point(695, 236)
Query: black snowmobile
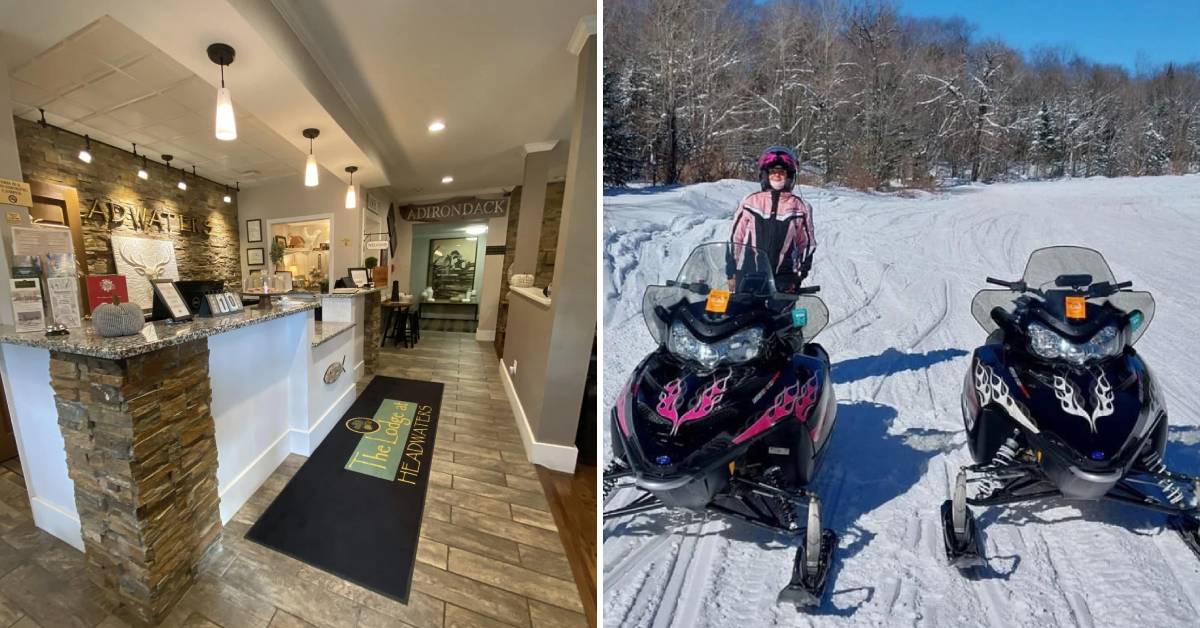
point(1058, 404)
point(732, 412)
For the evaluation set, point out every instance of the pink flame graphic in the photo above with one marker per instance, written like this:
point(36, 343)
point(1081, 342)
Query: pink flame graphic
point(705, 401)
point(668, 401)
point(789, 401)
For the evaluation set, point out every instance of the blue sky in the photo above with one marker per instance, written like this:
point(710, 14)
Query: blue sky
point(1105, 31)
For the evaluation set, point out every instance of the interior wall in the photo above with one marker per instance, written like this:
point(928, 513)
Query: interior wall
point(288, 198)
point(10, 168)
point(547, 246)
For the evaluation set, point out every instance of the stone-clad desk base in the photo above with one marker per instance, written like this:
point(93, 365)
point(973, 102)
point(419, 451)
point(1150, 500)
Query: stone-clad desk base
point(139, 437)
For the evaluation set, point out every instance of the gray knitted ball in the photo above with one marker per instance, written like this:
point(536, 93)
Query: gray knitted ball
point(124, 319)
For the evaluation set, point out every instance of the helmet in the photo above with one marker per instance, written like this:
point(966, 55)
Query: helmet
point(774, 157)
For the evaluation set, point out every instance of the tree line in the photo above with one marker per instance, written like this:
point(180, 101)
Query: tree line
point(869, 97)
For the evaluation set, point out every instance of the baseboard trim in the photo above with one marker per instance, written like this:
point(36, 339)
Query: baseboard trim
point(242, 487)
point(556, 457)
point(61, 524)
point(304, 442)
point(485, 335)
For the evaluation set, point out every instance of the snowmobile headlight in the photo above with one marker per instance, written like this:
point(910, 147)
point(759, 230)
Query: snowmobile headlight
point(737, 348)
point(1047, 343)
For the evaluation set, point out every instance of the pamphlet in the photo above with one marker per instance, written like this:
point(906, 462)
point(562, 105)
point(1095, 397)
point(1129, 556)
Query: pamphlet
point(64, 300)
point(27, 304)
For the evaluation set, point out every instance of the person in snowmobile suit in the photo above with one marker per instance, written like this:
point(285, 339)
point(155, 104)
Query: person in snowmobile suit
point(776, 221)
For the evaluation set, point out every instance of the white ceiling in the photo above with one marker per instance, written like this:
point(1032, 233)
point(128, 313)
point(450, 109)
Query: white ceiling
point(107, 82)
point(498, 73)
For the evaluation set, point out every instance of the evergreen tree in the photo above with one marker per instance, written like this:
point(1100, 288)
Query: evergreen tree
point(620, 140)
point(1047, 145)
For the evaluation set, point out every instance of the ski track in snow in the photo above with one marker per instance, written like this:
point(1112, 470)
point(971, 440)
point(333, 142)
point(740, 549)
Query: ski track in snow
point(898, 275)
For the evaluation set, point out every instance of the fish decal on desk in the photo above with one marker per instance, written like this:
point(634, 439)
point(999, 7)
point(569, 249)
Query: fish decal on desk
point(335, 371)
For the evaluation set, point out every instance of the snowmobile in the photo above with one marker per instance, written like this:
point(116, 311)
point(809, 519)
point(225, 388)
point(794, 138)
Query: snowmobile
point(732, 411)
point(1057, 403)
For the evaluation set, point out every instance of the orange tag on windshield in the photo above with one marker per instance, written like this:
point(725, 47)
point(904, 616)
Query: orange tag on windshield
point(718, 301)
point(1077, 307)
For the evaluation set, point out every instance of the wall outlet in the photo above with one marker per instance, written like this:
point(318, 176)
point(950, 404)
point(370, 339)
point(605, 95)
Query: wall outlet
point(512, 369)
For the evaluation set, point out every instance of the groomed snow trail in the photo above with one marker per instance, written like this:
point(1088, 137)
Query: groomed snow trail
point(898, 275)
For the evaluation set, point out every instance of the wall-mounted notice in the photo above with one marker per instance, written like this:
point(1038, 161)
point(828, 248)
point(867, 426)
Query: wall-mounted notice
point(15, 193)
point(41, 240)
point(64, 300)
point(27, 304)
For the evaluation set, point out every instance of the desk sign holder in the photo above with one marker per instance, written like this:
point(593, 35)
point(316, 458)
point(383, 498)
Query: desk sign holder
point(219, 303)
point(168, 294)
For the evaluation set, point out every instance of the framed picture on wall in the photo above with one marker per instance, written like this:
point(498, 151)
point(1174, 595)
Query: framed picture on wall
point(255, 257)
point(254, 230)
point(451, 272)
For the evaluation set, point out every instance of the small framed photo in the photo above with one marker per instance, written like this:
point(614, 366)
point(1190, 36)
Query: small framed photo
point(169, 293)
point(255, 257)
point(254, 230)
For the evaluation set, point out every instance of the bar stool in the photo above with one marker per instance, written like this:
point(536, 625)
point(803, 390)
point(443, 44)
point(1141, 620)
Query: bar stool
point(412, 334)
point(393, 326)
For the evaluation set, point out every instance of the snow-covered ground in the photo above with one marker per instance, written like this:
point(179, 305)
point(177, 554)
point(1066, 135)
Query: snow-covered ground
point(898, 275)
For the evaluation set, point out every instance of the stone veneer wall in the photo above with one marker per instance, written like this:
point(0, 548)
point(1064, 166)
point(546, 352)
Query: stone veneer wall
point(50, 155)
point(547, 249)
point(373, 331)
point(141, 450)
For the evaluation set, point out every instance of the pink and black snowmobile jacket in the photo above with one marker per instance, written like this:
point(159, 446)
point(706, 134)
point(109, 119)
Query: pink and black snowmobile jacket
point(780, 224)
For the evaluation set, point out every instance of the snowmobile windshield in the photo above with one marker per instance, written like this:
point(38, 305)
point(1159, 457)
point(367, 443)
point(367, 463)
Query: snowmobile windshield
point(1065, 269)
point(717, 275)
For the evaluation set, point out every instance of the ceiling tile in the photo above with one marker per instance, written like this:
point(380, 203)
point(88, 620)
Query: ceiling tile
point(29, 95)
point(157, 71)
point(153, 110)
point(67, 109)
point(106, 124)
point(109, 41)
point(196, 95)
point(60, 69)
point(109, 91)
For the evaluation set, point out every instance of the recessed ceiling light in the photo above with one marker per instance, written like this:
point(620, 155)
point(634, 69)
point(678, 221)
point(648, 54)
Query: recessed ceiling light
point(436, 125)
point(447, 179)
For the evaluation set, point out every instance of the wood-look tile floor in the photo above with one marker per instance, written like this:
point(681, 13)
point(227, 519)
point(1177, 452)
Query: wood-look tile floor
point(489, 553)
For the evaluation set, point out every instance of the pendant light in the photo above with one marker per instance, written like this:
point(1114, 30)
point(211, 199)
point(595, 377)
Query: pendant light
point(85, 155)
point(310, 166)
point(351, 196)
point(226, 128)
point(227, 198)
point(142, 174)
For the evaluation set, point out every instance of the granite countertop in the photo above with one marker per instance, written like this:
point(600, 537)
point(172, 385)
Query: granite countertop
point(347, 295)
point(154, 336)
point(326, 330)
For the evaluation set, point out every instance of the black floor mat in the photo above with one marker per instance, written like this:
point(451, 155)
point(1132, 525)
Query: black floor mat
point(354, 508)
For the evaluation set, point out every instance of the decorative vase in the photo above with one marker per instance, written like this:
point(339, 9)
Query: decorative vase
point(118, 319)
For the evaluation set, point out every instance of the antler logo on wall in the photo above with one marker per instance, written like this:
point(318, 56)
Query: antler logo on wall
point(151, 271)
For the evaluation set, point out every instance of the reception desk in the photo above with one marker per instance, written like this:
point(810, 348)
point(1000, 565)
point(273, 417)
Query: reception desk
point(136, 450)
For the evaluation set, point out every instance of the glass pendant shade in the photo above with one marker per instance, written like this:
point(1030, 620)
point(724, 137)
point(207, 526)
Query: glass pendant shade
point(142, 174)
point(85, 156)
point(310, 171)
point(226, 122)
point(351, 197)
